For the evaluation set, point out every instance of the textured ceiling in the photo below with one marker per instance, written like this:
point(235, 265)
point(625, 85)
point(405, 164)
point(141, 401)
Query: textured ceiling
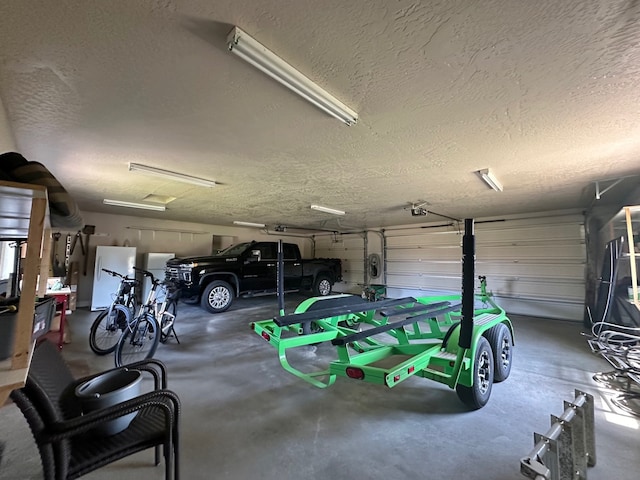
point(545, 93)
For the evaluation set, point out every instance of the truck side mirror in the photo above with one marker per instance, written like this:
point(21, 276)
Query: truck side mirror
point(255, 256)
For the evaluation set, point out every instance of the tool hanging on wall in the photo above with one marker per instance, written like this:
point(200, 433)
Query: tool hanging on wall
point(88, 230)
point(67, 253)
point(57, 270)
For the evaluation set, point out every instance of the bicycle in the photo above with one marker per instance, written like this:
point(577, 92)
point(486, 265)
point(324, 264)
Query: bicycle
point(110, 323)
point(142, 335)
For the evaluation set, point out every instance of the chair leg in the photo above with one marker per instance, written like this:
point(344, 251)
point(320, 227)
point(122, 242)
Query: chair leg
point(168, 461)
point(176, 455)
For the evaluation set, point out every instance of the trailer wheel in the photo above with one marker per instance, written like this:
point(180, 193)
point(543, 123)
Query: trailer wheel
point(322, 286)
point(499, 337)
point(217, 297)
point(477, 395)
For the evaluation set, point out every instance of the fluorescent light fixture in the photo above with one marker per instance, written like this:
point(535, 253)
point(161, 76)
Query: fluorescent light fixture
point(179, 177)
point(490, 179)
point(143, 206)
point(333, 211)
point(252, 51)
point(249, 224)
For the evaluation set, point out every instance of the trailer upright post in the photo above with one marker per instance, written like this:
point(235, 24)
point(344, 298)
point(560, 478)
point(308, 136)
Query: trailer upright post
point(468, 274)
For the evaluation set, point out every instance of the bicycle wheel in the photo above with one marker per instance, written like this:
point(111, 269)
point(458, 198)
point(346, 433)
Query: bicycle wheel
point(168, 318)
point(107, 329)
point(138, 342)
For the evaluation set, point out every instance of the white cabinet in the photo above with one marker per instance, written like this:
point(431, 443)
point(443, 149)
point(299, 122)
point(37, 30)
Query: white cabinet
point(117, 259)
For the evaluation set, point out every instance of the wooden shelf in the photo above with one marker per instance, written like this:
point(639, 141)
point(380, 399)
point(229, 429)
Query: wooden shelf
point(24, 215)
point(631, 214)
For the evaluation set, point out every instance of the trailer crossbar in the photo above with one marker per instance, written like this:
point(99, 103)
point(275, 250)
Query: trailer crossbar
point(391, 326)
point(310, 316)
point(392, 312)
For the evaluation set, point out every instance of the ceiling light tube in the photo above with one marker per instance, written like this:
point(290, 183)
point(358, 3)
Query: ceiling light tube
point(490, 179)
point(253, 52)
point(333, 211)
point(180, 177)
point(249, 224)
point(143, 206)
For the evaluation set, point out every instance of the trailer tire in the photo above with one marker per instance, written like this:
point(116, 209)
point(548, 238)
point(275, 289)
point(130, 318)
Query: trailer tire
point(477, 395)
point(322, 286)
point(217, 296)
point(501, 341)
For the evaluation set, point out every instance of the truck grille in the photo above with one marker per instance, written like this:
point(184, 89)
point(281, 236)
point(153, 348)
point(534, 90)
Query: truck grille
point(177, 274)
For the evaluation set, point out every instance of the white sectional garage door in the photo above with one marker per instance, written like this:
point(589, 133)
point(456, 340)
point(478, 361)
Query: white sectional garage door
point(350, 248)
point(534, 266)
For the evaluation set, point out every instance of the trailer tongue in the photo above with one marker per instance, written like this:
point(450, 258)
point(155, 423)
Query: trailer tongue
point(463, 341)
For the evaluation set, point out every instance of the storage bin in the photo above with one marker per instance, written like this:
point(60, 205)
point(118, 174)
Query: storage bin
point(43, 313)
point(109, 389)
point(7, 333)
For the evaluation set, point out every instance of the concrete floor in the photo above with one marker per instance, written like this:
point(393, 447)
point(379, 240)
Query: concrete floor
point(245, 418)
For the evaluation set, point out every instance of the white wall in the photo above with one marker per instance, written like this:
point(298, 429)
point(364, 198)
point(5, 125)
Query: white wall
point(7, 143)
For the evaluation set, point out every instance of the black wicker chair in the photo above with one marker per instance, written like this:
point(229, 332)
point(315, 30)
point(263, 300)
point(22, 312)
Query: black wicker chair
point(68, 447)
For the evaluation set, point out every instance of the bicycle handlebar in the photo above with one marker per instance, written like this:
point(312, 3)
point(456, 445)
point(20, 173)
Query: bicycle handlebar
point(123, 277)
point(112, 273)
point(147, 273)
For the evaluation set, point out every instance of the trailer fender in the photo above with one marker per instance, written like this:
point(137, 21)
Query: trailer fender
point(450, 343)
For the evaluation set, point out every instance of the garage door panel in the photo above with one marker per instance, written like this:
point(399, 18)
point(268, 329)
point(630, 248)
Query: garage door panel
point(434, 283)
point(430, 267)
point(451, 253)
point(419, 239)
point(519, 270)
point(525, 252)
point(524, 233)
point(540, 289)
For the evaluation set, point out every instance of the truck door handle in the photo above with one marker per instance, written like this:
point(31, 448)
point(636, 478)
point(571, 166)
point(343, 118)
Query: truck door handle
point(296, 264)
point(271, 264)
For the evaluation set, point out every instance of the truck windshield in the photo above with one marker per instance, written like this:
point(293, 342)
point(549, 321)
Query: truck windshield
point(233, 250)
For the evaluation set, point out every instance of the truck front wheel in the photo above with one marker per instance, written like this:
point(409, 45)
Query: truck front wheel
point(217, 297)
point(322, 286)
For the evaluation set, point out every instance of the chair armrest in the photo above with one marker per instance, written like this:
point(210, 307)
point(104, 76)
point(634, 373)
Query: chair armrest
point(166, 400)
point(156, 368)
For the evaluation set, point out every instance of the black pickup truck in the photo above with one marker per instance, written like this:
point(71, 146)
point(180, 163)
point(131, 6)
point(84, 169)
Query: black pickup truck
point(250, 269)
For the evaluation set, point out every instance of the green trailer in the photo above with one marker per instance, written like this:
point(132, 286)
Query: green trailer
point(463, 341)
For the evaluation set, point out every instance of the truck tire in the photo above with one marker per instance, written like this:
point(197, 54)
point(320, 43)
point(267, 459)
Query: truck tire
point(217, 296)
point(322, 286)
point(499, 337)
point(477, 395)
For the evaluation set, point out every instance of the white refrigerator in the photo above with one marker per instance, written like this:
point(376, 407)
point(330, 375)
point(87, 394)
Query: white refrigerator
point(155, 263)
point(117, 259)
